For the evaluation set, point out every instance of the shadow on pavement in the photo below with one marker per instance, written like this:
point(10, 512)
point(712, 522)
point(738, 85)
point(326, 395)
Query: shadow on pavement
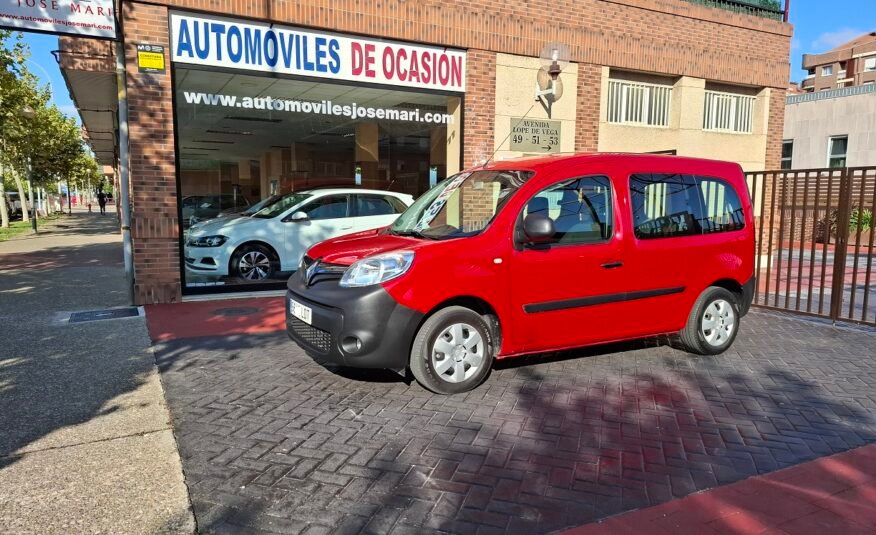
point(273, 441)
point(55, 376)
point(52, 382)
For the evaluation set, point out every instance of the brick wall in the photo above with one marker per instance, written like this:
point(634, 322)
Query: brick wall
point(775, 129)
point(479, 111)
point(587, 107)
point(663, 36)
point(152, 162)
point(83, 54)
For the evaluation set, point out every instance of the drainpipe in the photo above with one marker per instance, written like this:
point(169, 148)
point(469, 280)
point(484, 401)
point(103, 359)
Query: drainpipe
point(124, 196)
point(787, 10)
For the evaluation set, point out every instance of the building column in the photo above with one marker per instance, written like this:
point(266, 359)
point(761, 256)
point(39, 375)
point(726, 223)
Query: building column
point(367, 136)
point(437, 155)
point(480, 106)
point(686, 108)
point(592, 85)
point(154, 218)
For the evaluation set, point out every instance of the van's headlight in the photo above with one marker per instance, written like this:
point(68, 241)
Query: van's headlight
point(207, 241)
point(377, 269)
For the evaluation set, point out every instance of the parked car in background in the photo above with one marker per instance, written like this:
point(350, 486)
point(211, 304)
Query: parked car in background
point(13, 204)
point(234, 212)
point(203, 207)
point(534, 255)
point(256, 245)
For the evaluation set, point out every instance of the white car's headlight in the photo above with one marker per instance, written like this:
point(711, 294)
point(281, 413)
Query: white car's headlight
point(377, 269)
point(207, 241)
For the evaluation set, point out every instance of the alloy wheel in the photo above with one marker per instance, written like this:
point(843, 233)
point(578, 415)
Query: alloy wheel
point(254, 265)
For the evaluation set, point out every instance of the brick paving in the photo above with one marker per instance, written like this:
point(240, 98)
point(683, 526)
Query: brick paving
point(274, 442)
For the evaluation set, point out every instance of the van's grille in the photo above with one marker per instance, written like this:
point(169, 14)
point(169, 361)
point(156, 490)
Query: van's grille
point(323, 271)
point(317, 339)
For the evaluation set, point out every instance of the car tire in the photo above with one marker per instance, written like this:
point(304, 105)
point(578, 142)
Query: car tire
point(253, 262)
point(453, 351)
point(713, 322)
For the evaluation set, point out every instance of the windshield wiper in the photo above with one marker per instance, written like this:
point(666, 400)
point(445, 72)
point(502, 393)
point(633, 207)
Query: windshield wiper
point(413, 233)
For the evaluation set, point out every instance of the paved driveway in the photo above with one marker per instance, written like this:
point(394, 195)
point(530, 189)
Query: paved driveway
point(273, 442)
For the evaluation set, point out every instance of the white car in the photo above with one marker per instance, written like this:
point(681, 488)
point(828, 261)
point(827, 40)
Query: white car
point(256, 245)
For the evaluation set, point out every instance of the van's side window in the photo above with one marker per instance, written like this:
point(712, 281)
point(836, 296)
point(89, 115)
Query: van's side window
point(722, 211)
point(672, 205)
point(664, 206)
point(580, 208)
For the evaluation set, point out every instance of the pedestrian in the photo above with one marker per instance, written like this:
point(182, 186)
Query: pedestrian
point(101, 200)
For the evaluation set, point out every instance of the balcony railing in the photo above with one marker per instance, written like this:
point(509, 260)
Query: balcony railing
point(832, 93)
point(769, 9)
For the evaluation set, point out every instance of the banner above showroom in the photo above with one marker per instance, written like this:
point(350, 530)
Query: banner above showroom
point(255, 46)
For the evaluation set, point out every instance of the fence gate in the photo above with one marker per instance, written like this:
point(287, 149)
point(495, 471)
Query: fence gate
point(815, 241)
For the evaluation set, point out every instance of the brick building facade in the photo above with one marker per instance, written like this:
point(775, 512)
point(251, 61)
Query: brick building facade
point(692, 47)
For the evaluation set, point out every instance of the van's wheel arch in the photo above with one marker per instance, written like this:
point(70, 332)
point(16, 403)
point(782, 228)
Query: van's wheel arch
point(254, 261)
point(713, 322)
point(453, 350)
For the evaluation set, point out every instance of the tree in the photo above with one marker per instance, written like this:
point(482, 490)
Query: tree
point(46, 146)
point(13, 53)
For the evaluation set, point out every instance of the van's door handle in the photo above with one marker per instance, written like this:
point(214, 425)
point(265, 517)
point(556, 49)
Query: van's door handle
point(611, 265)
point(347, 228)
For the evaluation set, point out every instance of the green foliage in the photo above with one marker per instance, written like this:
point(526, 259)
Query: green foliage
point(50, 142)
point(864, 218)
point(18, 228)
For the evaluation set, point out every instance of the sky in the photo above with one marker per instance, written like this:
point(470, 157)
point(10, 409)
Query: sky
point(818, 26)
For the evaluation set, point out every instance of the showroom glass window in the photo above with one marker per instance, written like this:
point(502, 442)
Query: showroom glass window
point(246, 139)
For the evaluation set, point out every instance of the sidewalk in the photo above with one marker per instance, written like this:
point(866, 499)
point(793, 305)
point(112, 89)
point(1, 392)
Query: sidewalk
point(86, 444)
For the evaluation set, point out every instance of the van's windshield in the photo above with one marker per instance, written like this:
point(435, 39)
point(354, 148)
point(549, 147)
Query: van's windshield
point(462, 205)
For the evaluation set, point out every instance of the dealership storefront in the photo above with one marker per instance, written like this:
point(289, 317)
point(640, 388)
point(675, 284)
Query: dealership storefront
point(228, 110)
point(264, 110)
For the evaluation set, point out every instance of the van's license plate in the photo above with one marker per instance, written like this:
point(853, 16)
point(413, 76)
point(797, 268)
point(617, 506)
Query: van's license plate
point(300, 311)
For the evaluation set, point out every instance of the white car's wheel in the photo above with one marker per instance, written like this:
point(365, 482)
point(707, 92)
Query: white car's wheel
point(253, 262)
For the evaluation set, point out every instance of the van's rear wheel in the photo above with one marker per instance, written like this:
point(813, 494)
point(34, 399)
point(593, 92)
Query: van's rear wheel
point(713, 322)
point(453, 351)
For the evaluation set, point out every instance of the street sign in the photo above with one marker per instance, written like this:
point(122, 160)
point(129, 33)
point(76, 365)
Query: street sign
point(86, 18)
point(539, 136)
point(150, 58)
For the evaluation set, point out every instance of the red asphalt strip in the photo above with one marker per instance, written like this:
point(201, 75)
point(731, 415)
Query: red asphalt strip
point(831, 495)
point(215, 318)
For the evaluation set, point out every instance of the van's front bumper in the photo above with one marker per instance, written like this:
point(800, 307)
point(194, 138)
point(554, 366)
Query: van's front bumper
point(356, 327)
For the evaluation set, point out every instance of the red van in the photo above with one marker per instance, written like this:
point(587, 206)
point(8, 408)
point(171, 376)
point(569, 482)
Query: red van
point(533, 255)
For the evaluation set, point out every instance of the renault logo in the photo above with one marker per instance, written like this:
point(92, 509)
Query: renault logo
point(311, 270)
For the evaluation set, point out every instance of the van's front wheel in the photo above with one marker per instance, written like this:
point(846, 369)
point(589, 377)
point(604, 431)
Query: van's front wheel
point(713, 322)
point(453, 351)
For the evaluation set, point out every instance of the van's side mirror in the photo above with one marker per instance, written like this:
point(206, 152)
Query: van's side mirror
point(538, 228)
point(298, 217)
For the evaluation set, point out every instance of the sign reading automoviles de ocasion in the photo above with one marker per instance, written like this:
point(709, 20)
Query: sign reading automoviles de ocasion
point(235, 44)
point(89, 18)
point(535, 135)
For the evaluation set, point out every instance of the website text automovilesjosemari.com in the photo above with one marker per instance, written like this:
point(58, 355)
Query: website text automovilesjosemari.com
point(324, 107)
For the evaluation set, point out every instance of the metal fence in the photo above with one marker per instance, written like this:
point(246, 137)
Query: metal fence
point(771, 9)
point(815, 241)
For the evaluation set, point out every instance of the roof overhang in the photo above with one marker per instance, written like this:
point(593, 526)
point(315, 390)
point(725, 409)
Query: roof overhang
point(88, 67)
